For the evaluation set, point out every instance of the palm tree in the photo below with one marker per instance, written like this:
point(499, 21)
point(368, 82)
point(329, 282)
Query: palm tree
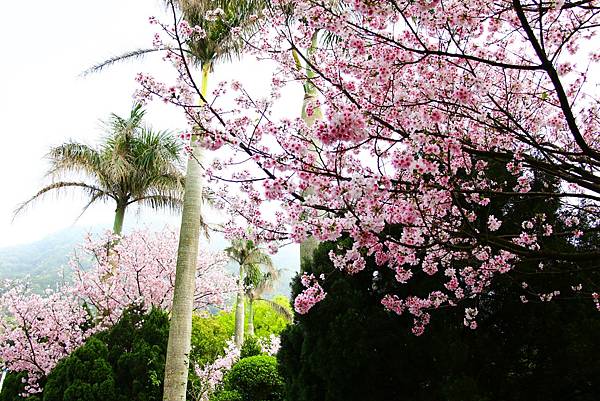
point(134, 164)
point(252, 281)
point(220, 43)
point(256, 283)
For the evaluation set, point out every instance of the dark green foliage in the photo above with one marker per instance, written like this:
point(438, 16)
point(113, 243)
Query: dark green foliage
point(255, 379)
point(349, 348)
point(251, 347)
point(85, 375)
point(123, 363)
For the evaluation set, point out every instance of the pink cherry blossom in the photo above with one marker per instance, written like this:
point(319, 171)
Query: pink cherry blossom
point(422, 102)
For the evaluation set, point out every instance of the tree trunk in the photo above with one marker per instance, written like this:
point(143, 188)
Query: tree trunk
point(239, 311)
point(250, 317)
point(311, 97)
point(119, 216)
point(180, 331)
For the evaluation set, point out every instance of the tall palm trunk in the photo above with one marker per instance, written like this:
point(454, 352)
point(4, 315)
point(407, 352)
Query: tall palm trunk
point(250, 317)
point(119, 216)
point(180, 331)
point(311, 96)
point(239, 310)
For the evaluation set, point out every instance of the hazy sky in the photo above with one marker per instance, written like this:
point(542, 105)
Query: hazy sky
point(44, 100)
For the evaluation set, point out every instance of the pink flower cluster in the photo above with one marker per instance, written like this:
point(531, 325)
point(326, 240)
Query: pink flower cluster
point(311, 294)
point(346, 125)
point(36, 331)
point(211, 375)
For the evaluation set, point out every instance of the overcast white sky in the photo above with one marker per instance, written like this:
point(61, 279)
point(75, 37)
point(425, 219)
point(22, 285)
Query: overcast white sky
point(44, 100)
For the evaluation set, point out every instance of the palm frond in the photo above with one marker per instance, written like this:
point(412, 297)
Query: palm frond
point(126, 126)
point(59, 187)
point(253, 276)
point(260, 283)
point(92, 200)
point(157, 149)
point(128, 56)
point(73, 157)
point(279, 309)
point(169, 183)
point(171, 203)
point(133, 162)
point(259, 256)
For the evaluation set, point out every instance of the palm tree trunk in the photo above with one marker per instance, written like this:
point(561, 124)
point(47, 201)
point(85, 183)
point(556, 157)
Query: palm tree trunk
point(250, 317)
point(119, 216)
point(311, 95)
point(180, 331)
point(239, 310)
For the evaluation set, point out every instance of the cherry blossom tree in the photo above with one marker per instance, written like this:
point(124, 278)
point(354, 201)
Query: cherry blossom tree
point(145, 274)
point(423, 103)
point(36, 331)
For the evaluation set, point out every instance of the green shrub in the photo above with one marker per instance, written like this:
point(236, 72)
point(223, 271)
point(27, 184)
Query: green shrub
point(209, 338)
point(251, 347)
point(227, 395)
point(266, 320)
point(121, 364)
point(85, 375)
point(256, 379)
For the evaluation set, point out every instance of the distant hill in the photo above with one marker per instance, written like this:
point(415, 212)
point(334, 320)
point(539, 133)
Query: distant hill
point(44, 263)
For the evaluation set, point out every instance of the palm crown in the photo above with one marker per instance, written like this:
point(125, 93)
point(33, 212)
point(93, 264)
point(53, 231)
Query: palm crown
point(134, 164)
point(221, 40)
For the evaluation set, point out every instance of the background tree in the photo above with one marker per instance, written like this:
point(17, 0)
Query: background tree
point(256, 283)
point(134, 165)
point(250, 259)
point(38, 330)
point(146, 273)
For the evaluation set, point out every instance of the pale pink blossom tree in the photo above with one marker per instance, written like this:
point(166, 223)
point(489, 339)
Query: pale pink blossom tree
point(140, 269)
point(422, 101)
point(36, 331)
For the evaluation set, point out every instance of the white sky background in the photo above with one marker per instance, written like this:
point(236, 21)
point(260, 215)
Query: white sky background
point(44, 101)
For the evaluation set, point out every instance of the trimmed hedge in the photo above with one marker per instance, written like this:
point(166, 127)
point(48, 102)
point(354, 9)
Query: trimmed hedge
point(252, 379)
